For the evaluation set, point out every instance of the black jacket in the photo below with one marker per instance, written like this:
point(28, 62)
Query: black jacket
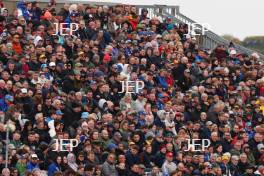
point(178, 72)
point(83, 33)
point(184, 83)
point(68, 85)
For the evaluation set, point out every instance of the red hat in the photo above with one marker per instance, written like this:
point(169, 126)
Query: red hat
point(107, 58)
point(169, 154)
point(161, 48)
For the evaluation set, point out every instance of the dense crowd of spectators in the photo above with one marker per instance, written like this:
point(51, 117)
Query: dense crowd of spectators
point(56, 86)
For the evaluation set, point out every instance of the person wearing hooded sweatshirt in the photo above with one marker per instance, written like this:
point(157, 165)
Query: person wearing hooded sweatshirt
point(126, 71)
point(103, 105)
point(37, 41)
point(22, 10)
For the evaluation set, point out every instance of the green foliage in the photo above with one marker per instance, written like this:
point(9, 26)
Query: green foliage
point(254, 42)
point(232, 38)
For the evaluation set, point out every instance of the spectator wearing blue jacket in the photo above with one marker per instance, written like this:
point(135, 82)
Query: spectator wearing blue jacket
point(33, 163)
point(161, 79)
point(128, 49)
point(71, 19)
point(55, 166)
point(23, 11)
point(6, 102)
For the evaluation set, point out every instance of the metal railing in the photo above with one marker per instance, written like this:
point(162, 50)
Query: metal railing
point(209, 40)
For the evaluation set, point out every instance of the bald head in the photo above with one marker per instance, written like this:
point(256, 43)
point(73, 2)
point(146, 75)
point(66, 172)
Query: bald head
point(184, 60)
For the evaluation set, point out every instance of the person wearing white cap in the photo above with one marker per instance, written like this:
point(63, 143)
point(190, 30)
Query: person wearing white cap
point(52, 64)
point(33, 163)
point(233, 52)
point(24, 91)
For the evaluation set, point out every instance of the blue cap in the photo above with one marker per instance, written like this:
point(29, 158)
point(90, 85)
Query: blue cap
point(83, 138)
point(142, 113)
point(9, 97)
point(98, 74)
point(111, 146)
point(43, 65)
point(58, 112)
point(85, 115)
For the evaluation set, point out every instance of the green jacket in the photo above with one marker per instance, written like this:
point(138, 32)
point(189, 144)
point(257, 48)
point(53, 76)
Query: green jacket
point(21, 168)
point(251, 159)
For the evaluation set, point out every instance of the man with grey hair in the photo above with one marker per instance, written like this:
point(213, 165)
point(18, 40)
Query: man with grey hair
point(213, 159)
point(5, 172)
point(234, 169)
point(243, 164)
